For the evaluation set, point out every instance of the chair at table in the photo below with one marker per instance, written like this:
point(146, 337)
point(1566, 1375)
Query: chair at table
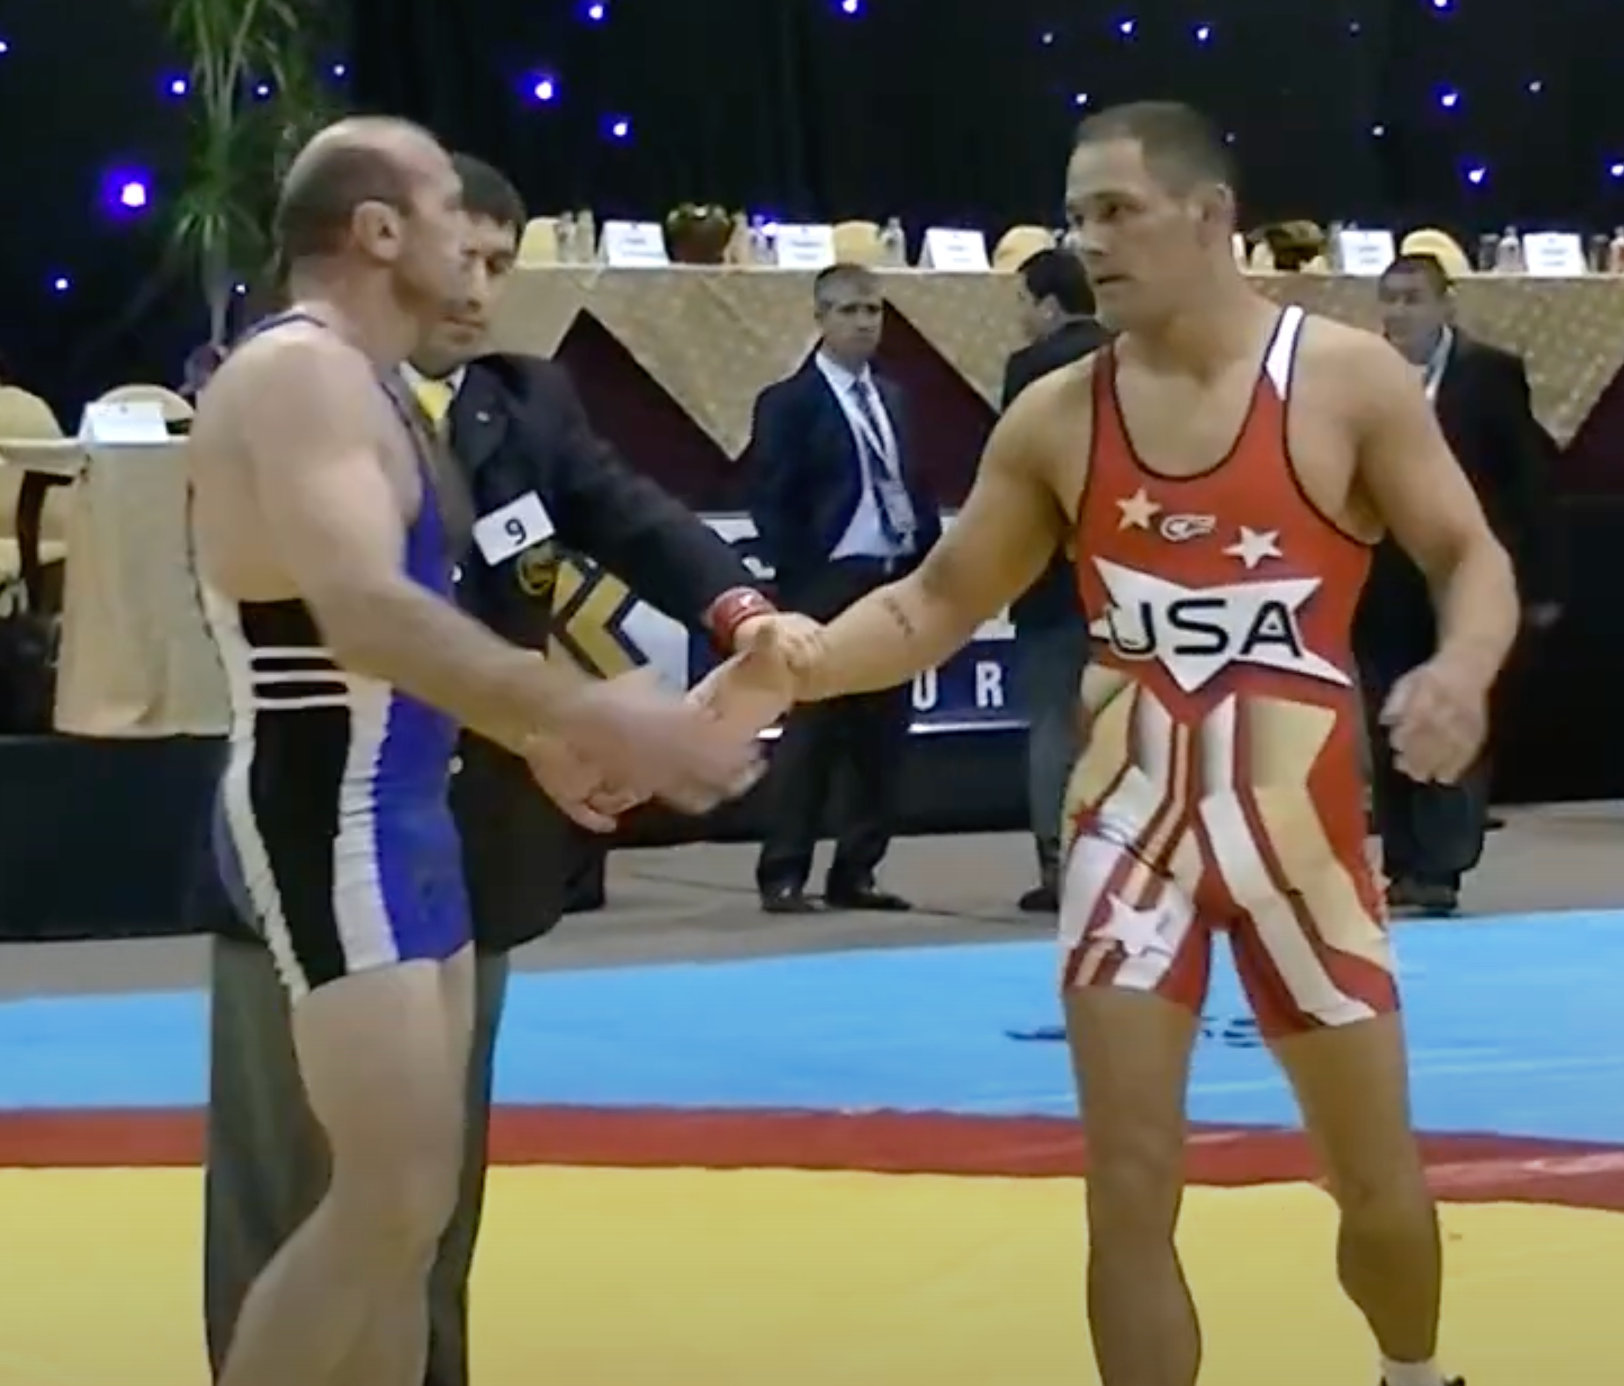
point(858, 243)
point(538, 246)
point(1018, 245)
point(1441, 246)
point(23, 415)
point(28, 418)
point(175, 408)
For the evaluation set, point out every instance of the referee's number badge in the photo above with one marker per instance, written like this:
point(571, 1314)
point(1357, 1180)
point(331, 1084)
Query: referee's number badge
point(513, 529)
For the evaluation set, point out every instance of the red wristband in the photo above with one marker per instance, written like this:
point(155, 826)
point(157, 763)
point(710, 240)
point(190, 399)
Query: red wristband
point(731, 610)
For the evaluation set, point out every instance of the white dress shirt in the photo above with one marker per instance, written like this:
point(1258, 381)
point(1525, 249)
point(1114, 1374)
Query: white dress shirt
point(1437, 362)
point(865, 536)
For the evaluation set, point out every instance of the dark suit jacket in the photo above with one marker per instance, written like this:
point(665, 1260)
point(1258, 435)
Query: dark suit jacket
point(518, 426)
point(1072, 341)
point(1486, 416)
point(1052, 599)
point(806, 478)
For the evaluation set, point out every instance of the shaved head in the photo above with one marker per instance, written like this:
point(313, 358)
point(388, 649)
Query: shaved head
point(375, 205)
point(344, 167)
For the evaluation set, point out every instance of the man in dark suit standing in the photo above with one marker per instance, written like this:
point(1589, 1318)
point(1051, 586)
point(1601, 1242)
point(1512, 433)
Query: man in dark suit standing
point(840, 509)
point(1051, 636)
point(518, 437)
point(1432, 834)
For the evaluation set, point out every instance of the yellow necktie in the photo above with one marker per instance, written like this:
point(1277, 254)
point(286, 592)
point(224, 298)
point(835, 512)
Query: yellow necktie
point(435, 397)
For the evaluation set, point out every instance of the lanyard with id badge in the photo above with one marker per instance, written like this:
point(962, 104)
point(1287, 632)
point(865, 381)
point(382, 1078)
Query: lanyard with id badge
point(883, 467)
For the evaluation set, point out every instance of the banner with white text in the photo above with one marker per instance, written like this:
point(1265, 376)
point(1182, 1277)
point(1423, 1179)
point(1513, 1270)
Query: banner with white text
point(973, 691)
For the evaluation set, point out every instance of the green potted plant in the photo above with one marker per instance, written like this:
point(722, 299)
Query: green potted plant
point(255, 94)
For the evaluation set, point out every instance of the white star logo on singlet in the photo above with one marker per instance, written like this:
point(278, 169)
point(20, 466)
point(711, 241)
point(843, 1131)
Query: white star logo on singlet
point(1137, 932)
point(1138, 510)
point(1195, 633)
point(1255, 545)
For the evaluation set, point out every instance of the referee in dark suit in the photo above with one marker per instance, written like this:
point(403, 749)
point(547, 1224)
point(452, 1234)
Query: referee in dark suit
point(517, 429)
point(1051, 637)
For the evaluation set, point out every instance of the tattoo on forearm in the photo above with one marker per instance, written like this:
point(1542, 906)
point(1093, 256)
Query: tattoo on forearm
point(898, 614)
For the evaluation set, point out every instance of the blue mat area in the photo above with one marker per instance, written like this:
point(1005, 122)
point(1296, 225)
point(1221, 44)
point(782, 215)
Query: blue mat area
point(1514, 1029)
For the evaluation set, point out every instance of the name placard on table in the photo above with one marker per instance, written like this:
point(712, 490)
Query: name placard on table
point(124, 423)
point(1365, 252)
point(953, 250)
point(1554, 255)
point(635, 245)
point(804, 246)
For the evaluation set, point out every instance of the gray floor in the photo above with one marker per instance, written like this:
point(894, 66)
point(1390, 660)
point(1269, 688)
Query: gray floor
point(699, 902)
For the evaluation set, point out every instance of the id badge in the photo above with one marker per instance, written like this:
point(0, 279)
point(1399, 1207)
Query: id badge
point(513, 528)
point(893, 496)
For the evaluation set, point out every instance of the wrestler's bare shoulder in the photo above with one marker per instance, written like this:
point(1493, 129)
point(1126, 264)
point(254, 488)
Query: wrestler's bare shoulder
point(1048, 427)
point(1342, 378)
point(1344, 369)
point(297, 354)
point(1060, 393)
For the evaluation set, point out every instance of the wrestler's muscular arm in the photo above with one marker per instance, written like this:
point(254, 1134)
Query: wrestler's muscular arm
point(995, 549)
point(1418, 490)
point(307, 411)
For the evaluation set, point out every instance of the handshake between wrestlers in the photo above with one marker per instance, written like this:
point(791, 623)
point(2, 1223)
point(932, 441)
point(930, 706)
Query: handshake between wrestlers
point(773, 667)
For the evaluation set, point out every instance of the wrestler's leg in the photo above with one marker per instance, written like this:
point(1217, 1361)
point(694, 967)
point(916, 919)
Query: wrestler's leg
point(1330, 1016)
point(393, 1347)
point(1135, 980)
point(1131, 1053)
point(1352, 1084)
point(377, 1051)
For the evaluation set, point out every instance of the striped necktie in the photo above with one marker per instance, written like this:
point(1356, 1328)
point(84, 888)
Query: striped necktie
point(882, 479)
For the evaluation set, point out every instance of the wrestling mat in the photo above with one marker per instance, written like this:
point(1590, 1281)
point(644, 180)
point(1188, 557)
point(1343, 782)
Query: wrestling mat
point(855, 1170)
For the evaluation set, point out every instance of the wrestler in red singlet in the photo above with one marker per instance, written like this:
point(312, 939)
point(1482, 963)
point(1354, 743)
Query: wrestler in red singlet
point(1221, 787)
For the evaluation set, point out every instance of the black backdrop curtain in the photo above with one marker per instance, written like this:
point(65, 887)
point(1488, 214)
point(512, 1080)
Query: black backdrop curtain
point(933, 110)
point(943, 111)
point(712, 91)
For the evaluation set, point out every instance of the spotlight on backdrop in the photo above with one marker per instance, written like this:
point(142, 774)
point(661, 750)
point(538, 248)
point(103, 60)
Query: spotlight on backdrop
point(125, 193)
